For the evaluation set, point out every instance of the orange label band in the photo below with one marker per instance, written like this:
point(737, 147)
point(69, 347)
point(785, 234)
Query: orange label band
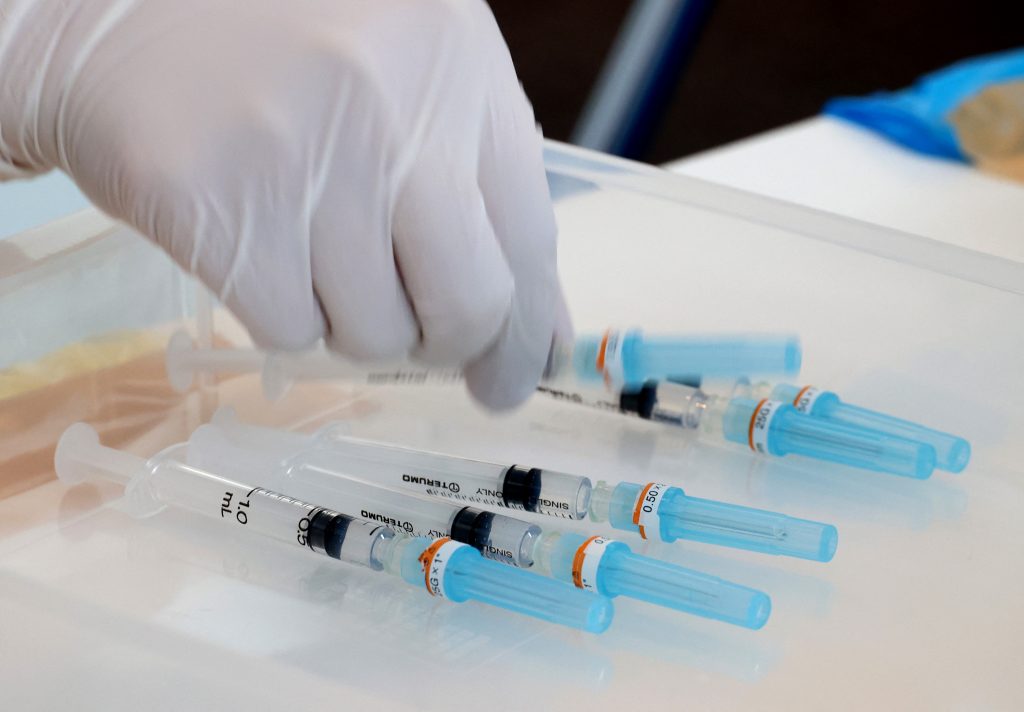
point(753, 419)
point(609, 362)
point(640, 502)
point(577, 562)
point(804, 401)
point(648, 504)
point(602, 351)
point(759, 433)
point(587, 561)
point(796, 401)
point(433, 578)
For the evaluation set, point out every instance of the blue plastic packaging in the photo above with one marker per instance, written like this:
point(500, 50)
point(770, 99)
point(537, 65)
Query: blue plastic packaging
point(466, 575)
point(952, 453)
point(777, 428)
point(679, 516)
point(610, 568)
point(917, 117)
point(631, 358)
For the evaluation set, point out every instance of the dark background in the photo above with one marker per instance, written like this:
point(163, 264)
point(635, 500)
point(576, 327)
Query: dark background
point(756, 65)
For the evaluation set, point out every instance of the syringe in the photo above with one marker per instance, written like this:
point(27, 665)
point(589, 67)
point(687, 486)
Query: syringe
point(952, 453)
point(655, 511)
point(618, 358)
point(612, 570)
point(446, 568)
point(766, 426)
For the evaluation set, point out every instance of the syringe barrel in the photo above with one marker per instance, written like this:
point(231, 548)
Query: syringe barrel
point(352, 485)
point(269, 513)
point(952, 453)
point(263, 451)
point(547, 492)
point(468, 576)
point(631, 358)
point(676, 403)
point(610, 568)
point(585, 394)
point(334, 478)
point(776, 428)
point(176, 484)
point(460, 479)
point(315, 475)
point(675, 515)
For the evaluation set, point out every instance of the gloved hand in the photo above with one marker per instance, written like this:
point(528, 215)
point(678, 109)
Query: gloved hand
point(366, 171)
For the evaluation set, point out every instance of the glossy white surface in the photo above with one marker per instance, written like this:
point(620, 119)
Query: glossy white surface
point(831, 165)
point(921, 608)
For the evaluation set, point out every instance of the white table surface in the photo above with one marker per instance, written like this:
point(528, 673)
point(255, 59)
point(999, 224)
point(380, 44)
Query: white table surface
point(831, 165)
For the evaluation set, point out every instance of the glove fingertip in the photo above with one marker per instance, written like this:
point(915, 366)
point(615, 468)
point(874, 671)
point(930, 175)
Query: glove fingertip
point(508, 372)
point(498, 393)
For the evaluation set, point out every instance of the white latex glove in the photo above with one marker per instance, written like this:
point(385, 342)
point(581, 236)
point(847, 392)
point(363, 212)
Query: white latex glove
point(366, 171)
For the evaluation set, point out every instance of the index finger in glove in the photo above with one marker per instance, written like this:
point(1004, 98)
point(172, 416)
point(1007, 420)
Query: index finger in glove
point(515, 191)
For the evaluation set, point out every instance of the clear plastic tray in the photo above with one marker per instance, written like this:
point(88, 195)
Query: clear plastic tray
point(919, 608)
